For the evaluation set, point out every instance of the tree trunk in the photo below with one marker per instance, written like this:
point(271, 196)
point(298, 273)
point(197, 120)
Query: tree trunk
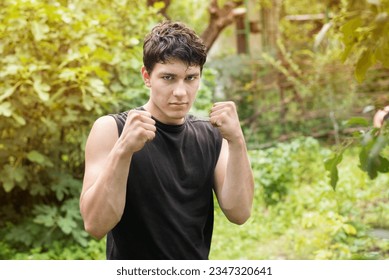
point(241, 42)
point(270, 21)
point(220, 18)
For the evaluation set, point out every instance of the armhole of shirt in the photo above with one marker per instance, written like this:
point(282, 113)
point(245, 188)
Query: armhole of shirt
point(218, 143)
point(120, 121)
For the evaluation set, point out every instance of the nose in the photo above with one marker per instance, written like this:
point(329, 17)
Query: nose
point(179, 89)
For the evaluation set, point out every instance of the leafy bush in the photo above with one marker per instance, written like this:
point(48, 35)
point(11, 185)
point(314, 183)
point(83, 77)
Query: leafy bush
point(364, 26)
point(311, 220)
point(93, 250)
point(63, 63)
point(278, 167)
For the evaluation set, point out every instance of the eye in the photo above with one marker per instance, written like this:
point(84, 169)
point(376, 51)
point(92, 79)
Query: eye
point(167, 77)
point(191, 78)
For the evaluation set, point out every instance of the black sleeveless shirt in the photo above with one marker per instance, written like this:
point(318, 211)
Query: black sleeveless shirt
point(169, 201)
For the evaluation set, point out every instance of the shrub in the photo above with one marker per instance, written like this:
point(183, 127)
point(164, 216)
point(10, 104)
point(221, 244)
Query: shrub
point(63, 63)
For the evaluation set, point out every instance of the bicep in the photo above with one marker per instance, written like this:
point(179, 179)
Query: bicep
point(100, 142)
point(221, 167)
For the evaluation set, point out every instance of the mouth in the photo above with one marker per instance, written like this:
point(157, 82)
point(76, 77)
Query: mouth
point(178, 103)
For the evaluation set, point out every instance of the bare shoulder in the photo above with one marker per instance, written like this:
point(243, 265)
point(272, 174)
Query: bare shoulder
point(105, 124)
point(103, 134)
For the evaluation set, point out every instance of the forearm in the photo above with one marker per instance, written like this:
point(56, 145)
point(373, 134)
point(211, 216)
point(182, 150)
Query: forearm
point(103, 203)
point(238, 186)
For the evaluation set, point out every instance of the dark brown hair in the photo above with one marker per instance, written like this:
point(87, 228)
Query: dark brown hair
point(173, 40)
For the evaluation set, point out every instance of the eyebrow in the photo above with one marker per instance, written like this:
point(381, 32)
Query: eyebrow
point(175, 75)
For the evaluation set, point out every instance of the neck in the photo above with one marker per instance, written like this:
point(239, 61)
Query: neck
point(163, 117)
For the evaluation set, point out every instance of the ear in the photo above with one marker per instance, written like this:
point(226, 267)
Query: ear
point(145, 76)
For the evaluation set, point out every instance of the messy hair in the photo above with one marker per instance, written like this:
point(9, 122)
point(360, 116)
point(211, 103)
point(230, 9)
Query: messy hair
point(173, 40)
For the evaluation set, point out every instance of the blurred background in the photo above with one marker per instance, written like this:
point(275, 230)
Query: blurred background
point(307, 77)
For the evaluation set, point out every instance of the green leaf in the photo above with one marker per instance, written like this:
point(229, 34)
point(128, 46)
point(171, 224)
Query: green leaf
point(39, 30)
point(88, 102)
point(11, 176)
point(97, 86)
point(348, 30)
point(19, 119)
point(8, 184)
point(382, 52)
point(36, 157)
point(357, 121)
point(374, 2)
point(66, 224)
point(45, 215)
point(331, 165)
point(365, 61)
point(383, 166)
point(6, 109)
point(371, 161)
point(41, 89)
point(8, 92)
point(68, 75)
point(349, 229)
point(45, 220)
point(159, 5)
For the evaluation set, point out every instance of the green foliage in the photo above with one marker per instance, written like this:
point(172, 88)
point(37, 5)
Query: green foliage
point(370, 156)
point(365, 28)
point(373, 151)
point(311, 221)
point(312, 100)
point(197, 9)
point(63, 63)
point(94, 250)
point(275, 168)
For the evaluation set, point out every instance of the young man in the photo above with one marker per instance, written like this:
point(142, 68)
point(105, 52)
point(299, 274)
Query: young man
point(150, 172)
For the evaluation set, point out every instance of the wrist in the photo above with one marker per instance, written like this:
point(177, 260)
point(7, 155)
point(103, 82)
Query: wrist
point(237, 142)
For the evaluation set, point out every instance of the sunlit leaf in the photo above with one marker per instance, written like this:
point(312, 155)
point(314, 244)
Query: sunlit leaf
point(6, 109)
point(97, 86)
point(39, 30)
point(374, 2)
point(349, 229)
point(365, 61)
point(357, 121)
point(42, 89)
point(19, 119)
point(36, 157)
point(8, 92)
point(348, 29)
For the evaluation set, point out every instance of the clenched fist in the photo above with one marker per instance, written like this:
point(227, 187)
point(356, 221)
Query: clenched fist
point(138, 129)
point(224, 116)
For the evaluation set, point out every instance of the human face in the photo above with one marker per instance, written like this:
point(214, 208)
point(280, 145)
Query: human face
point(173, 87)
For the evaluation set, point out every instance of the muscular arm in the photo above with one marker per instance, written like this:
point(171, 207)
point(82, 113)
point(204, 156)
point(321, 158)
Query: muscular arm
point(107, 162)
point(234, 183)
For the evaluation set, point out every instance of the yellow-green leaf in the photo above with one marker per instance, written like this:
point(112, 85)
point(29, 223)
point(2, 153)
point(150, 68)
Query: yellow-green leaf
point(366, 60)
point(42, 90)
point(6, 109)
point(39, 30)
point(36, 157)
point(349, 229)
